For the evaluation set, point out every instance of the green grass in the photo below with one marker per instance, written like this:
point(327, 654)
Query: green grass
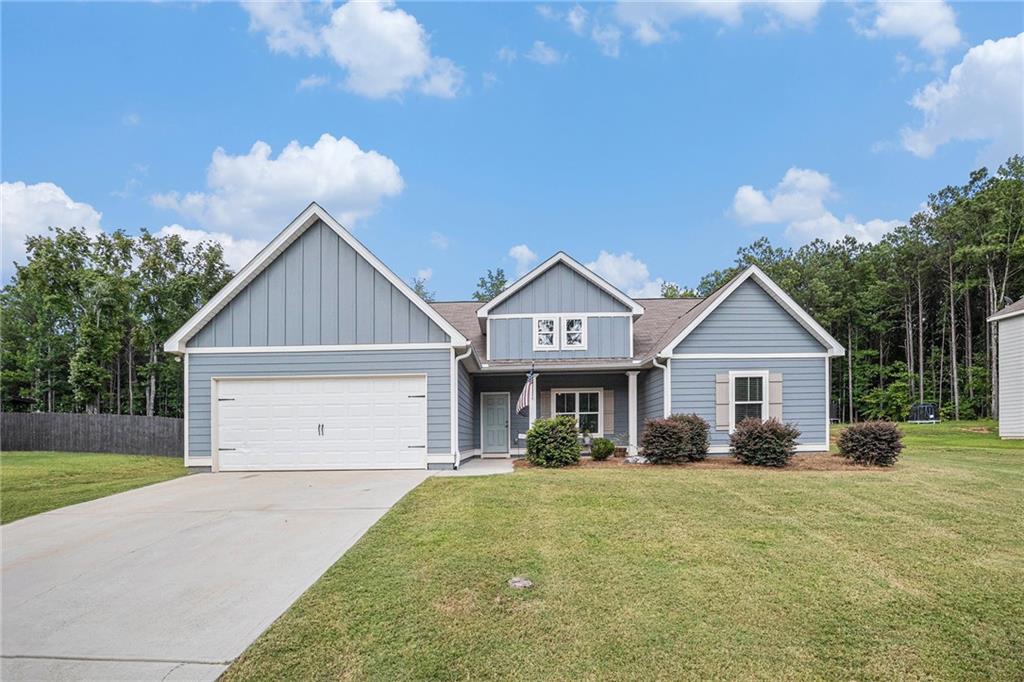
point(669, 573)
point(35, 482)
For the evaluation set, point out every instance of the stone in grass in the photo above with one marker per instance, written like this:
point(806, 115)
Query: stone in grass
point(636, 459)
point(520, 582)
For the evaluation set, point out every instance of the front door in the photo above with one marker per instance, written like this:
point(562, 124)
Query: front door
point(494, 432)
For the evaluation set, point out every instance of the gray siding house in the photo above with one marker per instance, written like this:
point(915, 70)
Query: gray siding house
point(1010, 330)
point(317, 356)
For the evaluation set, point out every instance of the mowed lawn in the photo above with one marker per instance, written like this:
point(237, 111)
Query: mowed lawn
point(682, 573)
point(35, 482)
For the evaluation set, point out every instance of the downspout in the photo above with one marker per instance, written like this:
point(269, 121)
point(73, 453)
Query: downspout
point(456, 359)
point(666, 407)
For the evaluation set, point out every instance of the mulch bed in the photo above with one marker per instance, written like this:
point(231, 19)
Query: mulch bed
point(809, 461)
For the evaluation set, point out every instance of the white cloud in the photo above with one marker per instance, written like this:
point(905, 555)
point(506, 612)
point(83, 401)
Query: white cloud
point(542, 53)
point(384, 50)
point(312, 82)
point(132, 120)
point(577, 19)
point(932, 24)
point(507, 55)
point(425, 274)
point(628, 273)
point(547, 12)
point(27, 210)
point(439, 241)
point(652, 22)
point(262, 194)
point(983, 99)
point(524, 258)
point(608, 37)
point(489, 78)
point(237, 252)
point(799, 200)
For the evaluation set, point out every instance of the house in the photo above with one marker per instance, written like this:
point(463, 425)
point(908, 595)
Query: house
point(317, 356)
point(1010, 331)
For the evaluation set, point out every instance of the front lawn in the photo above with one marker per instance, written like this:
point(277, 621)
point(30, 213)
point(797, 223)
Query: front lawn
point(669, 573)
point(34, 482)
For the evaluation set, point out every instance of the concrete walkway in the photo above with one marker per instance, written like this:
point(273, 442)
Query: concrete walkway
point(173, 581)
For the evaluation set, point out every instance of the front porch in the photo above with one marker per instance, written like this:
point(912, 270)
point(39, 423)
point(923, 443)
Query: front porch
point(603, 404)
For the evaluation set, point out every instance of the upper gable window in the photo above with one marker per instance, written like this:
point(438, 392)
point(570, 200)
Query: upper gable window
point(574, 333)
point(545, 333)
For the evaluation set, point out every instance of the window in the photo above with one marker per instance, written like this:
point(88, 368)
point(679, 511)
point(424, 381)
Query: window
point(544, 337)
point(574, 333)
point(747, 396)
point(584, 405)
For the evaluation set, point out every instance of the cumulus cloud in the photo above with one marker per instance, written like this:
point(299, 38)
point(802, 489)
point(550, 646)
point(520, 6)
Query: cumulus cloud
point(982, 99)
point(608, 38)
point(384, 50)
point(237, 251)
point(507, 54)
point(27, 210)
point(542, 53)
point(799, 200)
point(261, 194)
point(312, 82)
point(577, 19)
point(932, 24)
point(628, 273)
point(653, 22)
point(524, 258)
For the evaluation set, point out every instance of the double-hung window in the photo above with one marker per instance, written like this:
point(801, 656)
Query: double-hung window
point(560, 332)
point(748, 396)
point(582, 405)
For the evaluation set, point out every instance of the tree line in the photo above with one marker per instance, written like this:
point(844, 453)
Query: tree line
point(85, 318)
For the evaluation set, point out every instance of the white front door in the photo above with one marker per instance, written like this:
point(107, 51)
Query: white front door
point(321, 423)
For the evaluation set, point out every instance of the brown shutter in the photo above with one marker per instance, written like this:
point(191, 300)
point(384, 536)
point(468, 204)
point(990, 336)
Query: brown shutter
point(722, 402)
point(544, 408)
point(775, 396)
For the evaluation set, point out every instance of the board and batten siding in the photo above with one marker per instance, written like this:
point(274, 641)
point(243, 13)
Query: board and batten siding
point(804, 400)
point(512, 339)
point(467, 412)
point(318, 291)
point(749, 321)
point(202, 367)
point(1011, 377)
point(650, 397)
point(560, 289)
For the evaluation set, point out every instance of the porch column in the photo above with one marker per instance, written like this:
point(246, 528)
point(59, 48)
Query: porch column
point(632, 449)
point(533, 400)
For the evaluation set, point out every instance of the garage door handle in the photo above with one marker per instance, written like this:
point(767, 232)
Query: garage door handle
point(417, 446)
point(416, 396)
point(226, 449)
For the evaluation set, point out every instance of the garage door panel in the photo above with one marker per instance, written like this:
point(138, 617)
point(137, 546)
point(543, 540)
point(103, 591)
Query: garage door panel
point(368, 423)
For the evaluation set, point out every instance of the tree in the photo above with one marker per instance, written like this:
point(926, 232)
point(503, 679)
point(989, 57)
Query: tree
point(673, 290)
point(490, 285)
point(419, 285)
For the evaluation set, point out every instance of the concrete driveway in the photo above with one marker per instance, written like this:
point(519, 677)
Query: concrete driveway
point(174, 580)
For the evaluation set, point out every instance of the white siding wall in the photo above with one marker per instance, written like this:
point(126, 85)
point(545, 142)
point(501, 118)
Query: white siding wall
point(1011, 377)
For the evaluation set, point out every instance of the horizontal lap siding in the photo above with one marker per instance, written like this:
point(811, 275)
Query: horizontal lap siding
point(803, 392)
point(434, 363)
point(650, 396)
point(318, 291)
point(512, 339)
point(749, 321)
point(616, 389)
point(560, 289)
point(466, 410)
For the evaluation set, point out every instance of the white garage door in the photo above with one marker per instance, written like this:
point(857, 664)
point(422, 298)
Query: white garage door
point(322, 423)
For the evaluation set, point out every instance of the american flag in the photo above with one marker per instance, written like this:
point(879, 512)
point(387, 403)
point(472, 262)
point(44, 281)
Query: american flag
point(523, 404)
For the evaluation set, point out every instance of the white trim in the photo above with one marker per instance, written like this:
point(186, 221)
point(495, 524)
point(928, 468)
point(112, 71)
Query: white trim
point(565, 332)
point(307, 349)
point(201, 462)
point(780, 296)
point(519, 316)
point(561, 257)
point(456, 359)
point(533, 402)
point(215, 394)
point(487, 339)
point(743, 356)
point(313, 212)
point(738, 373)
point(631, 338)
point(185, 408)
point(508, 424)
point(666, 386)
point(1004, 315)
point(828, 400)
point(554, 333)
point(631, 399)
point(577, 391)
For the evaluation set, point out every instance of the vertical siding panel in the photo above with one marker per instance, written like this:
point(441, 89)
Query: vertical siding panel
point(222, 327)
point(400, 306)
point(381, 309)
point(293, 294)
point(311, 283)
point(418, 324)
point(329, 281)
point(364, 301)
point(240, 319)
point(258, 310)
point(204, 339)
point(277, 284)
point(347, 289)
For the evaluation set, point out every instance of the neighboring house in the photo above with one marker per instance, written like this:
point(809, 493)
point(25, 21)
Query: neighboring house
point(1010, 331)
point(317, 356)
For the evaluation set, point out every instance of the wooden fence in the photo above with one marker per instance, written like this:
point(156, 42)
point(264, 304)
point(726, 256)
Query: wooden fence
point(116, 433)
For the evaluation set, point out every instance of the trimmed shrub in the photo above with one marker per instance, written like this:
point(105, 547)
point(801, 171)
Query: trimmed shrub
point(601, 449)
point(764, 443)
point(553, 442)
point(875, 442)
point(664, 441)
point(696, 443)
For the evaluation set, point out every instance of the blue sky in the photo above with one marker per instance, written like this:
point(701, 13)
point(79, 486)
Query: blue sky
point(461, 137)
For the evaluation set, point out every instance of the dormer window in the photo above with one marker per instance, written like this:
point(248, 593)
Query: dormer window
point(574, 333)
point(545, 330)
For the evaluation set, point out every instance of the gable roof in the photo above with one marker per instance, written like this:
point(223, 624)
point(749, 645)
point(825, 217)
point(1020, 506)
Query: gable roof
point(312, 214)
point(1011, 310)
point(685, 325)
point(561, 257)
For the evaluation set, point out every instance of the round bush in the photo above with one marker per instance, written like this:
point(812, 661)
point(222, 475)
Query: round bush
point(695, 442)
point(764, 443)
point(664, 441)
point(875, 442)
point(601, 449)
point(553, 442)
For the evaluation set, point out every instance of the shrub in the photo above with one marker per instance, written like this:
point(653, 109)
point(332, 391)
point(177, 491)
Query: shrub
point(664, 441)
point(696, 443)
point(764, 443)
point(553, 442)
point(875, 442)
point(601, 449)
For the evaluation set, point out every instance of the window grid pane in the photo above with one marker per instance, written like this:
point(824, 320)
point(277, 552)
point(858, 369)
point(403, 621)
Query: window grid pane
point(744, 410)
point(588, 423)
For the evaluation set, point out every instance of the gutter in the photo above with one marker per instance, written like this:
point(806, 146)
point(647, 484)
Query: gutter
point(666, 387)
point(456, 359)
